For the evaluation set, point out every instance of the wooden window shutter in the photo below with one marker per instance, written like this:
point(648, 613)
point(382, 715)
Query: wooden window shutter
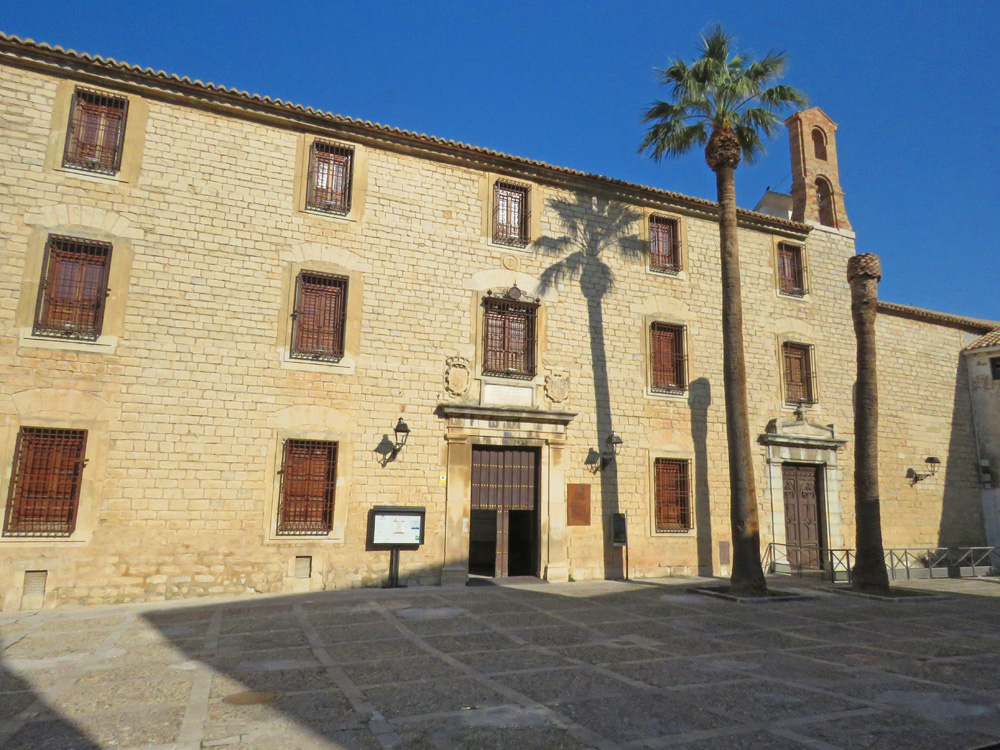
point(44, 491)
point(74, 288)
point(331, 173)
point(791, 270)
point(673, 495)
point(799, 386)
point(511, 216)
point(669, 363)
point(319, 317)
point(95, 136)
point(664, 247)
point(509, 338)
point(308, 487)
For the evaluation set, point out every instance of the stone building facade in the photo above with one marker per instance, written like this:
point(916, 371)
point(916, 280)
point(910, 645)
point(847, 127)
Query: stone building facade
point(216, 309)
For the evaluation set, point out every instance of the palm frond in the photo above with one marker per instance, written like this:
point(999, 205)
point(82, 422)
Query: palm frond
point(722, 88)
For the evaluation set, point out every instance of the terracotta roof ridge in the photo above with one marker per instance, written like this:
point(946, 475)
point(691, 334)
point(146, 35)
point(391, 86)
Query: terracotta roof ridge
point(30, 45)
point(976, 325)
point(986, 340)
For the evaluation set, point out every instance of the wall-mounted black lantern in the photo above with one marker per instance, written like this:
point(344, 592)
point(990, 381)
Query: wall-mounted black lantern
point(933, 463)
point(388, 450)
point(612, 447)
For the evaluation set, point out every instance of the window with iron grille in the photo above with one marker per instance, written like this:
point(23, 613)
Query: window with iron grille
point(800, 377)
point(73, 288)
point(308, 486)
point(319, 317)
point(331, 168)
point(791, 270)
point(509, 338)
point(510, 214)
point(669, 362)
point(45, 482)
point(673, 495)
point(96, 131)
point(664, 245)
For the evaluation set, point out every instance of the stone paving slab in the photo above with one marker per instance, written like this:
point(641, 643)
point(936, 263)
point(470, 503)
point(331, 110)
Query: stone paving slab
point(604, 665)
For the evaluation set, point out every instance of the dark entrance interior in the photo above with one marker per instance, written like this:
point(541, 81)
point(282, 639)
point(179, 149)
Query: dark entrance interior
point(803, 517)
point(503, 527)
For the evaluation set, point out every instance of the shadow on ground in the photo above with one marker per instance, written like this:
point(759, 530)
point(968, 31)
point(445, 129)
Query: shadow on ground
point(592, 664)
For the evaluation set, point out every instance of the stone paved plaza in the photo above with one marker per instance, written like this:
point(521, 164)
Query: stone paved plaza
point(578, 665)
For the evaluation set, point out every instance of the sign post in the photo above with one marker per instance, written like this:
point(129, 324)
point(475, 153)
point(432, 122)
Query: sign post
point(395, 527)
point(619, 535)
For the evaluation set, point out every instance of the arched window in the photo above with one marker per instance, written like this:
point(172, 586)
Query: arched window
point(824, 200)
point(819, 144)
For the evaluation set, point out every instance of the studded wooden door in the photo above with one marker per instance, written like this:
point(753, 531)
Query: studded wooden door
point(803, 532)
point(505, 480)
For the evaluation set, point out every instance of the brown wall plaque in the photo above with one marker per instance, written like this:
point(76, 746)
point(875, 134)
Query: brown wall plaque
point(578, 505)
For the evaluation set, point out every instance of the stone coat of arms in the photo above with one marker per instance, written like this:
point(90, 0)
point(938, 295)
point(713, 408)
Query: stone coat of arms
point(557, 387)
point(456, 376)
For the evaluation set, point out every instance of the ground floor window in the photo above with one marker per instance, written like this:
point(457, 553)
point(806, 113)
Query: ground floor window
point(45, 482)
point(673, 496)
point(308, 486)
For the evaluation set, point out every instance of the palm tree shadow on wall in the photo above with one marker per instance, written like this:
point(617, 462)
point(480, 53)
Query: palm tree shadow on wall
point(595, 227)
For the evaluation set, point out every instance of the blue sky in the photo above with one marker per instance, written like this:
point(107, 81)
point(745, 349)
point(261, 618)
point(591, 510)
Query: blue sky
point(912, 85)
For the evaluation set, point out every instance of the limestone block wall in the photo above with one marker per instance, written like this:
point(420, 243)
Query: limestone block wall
point(925, 410)
point(188, 397)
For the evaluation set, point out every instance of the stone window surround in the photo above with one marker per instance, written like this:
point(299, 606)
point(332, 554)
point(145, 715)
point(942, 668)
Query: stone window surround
point(487, 181)
point(132, 146)
point(682, 250)
point(359, 180)
point(647, 356)
point(805, 340)
point(118, 275)
point(541, 340)
point(675, 453)
point(352, 324)
point(776, 241)
point(60, 409)
point(342, 496)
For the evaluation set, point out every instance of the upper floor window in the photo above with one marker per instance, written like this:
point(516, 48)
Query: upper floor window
point(791, 270)
point(45, 482)
point(995, 367)
point(96, 132)
point(669, 362)
point(800, 385)
point(673, 494)
point(319, 317)
point(73, 288)
point(330, 173)
point(819, 144)
point(308, 487)
point(824, 202)
point(664, 245)
point(509, 337)
point(510, 214)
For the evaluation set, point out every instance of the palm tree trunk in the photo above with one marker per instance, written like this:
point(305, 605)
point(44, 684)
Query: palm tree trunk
point(869, 574)
point(748, 574)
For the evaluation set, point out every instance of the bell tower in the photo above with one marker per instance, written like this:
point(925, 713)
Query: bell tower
point(816, 193)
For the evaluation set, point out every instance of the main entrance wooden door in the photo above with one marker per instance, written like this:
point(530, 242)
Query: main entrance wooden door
point(803, 527)
point(503, 531)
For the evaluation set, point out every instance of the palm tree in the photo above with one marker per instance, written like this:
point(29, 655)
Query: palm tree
point(724, 101)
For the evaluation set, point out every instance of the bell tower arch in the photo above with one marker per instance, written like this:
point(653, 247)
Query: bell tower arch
point(816, 193)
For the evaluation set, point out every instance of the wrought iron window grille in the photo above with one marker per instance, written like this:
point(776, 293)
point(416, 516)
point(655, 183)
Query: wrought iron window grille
point(319, 317)
point(668, 359)
point(44, 493)
point(791, 270)
point(95, 135)
point(331, 175)
point(509, 336)
point(511, 213)
point(673, 495)
point(799, 374)
point(307, 489)
point(664, 245)
point(73, 289)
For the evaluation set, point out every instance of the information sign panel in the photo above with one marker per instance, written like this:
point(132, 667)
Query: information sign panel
point(397, 527)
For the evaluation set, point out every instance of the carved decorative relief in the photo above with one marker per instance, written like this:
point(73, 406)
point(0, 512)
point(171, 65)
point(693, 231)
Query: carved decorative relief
point(557, 387)
point(457, 376)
